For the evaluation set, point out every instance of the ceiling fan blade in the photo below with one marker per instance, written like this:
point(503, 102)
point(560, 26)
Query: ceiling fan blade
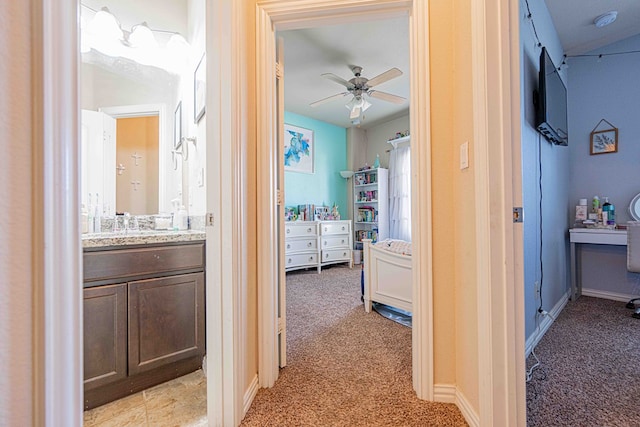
point(387, 96)
point(338, 80)
point(386, 76)
point(329, 98)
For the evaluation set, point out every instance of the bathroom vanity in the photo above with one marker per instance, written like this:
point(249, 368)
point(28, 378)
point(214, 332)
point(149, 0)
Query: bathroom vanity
point(144, 311)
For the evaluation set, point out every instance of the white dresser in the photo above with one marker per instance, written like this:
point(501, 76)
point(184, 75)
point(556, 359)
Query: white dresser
point(312, 244)
point(335, 242)
point(301, 245)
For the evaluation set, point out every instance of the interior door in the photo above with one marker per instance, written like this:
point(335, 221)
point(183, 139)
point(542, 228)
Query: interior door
point(282, 279)
point(98, 173)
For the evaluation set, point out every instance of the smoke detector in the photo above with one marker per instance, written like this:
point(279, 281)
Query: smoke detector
point(605, 19)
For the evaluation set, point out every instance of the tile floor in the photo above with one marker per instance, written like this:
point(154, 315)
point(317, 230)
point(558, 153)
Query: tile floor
point(180, 402)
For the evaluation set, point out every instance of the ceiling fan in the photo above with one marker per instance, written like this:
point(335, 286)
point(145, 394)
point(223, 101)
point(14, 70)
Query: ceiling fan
point(360, 86)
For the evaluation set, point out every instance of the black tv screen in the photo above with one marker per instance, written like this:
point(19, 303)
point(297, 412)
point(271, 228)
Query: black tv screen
point(551, 108)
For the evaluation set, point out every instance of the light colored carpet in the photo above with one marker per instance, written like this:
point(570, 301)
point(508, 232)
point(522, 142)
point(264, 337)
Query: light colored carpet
point(589, 374)
point(345, 367)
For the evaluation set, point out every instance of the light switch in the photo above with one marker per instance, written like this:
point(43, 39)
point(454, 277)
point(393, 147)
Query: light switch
point(464, 155)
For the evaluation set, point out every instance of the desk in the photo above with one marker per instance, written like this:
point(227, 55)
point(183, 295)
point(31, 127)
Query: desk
point(593, 236)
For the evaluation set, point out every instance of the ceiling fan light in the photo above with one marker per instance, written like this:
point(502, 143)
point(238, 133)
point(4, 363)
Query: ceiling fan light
point(365, 105)
point(605, 19)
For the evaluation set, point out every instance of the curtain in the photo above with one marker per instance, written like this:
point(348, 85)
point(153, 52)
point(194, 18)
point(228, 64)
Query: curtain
point(400, 193)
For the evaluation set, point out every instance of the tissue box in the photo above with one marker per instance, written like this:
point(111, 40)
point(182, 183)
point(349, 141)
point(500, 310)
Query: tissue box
point(581, 213)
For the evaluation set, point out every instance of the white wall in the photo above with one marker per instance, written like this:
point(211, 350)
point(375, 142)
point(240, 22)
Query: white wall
point(194, 178)
point(606, 88)
point(15, 224)
point(378, 136)
point(536, 151)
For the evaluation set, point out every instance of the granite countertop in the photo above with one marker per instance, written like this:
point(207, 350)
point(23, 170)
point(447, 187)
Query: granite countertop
point(98, 240)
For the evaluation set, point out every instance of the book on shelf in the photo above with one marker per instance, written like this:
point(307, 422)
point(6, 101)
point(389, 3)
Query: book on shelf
point(367, 214)
point(306, 212)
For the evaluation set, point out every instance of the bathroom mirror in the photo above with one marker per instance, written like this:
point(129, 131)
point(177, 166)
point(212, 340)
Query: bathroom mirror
point(634, 208)
point(127, 104)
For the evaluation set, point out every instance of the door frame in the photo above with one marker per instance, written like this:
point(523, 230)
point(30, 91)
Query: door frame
point(145, 110)
point(280, 15)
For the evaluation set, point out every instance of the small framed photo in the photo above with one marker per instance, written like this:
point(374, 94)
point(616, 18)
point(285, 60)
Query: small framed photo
point(199, 89)
point(298, 149)
point(177, 126)
point(604, 141)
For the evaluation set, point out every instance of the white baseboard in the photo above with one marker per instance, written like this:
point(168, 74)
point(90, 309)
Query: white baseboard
point(607, 295)
point(446, 393)
point(469, 414)
point(545, 324)
point(250, 394)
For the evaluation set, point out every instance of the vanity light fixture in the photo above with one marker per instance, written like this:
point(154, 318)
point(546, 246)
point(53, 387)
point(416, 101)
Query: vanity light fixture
point(605, 19)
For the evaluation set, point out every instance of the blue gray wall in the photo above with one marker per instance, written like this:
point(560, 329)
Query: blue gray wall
point(325, 185)
point(549, 231)
point(606, 88)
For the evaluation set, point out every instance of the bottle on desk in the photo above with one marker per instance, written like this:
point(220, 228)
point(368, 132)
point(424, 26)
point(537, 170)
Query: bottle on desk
point(608, 212)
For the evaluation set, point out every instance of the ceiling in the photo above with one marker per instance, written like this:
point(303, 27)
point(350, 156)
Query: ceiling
point(379, 45)
point(375, 46)
point(573, 20)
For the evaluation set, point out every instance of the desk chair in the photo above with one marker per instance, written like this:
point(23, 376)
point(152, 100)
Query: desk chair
point(633, 257)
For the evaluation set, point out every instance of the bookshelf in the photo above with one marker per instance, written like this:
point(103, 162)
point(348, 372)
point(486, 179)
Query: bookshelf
point(370, 205)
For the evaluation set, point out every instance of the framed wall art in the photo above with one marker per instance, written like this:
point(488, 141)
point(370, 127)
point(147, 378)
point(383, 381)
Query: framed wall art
point(605, 140)
point(298, 149)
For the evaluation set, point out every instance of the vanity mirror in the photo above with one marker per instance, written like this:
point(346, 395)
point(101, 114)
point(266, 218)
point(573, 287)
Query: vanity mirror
point(127, 136)
point(634, 208)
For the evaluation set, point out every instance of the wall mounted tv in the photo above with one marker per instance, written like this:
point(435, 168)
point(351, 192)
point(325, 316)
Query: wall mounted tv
point(551, 102)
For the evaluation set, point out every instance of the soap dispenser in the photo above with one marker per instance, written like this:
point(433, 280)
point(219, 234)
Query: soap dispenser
point(183, 218)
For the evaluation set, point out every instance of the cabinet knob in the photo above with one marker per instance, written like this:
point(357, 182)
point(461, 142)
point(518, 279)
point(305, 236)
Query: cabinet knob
point(342, 240)
point(344, 254)
point(309, 244)
point(289, 261)
point(288, 230)
point(309, 230)
point(325, 243)
point(310, 258)
point(343, 228)
point(288, 246)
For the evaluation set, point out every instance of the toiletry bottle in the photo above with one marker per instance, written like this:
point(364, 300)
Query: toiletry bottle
point(183, 218)
point(610, 210)
point(595, 204)
point(84, 215)
point(91, 212)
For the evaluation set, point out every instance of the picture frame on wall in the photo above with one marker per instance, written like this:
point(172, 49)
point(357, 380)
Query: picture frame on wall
point(298, 149)
point(604, 141)
point(199, 89)
point(177, 126)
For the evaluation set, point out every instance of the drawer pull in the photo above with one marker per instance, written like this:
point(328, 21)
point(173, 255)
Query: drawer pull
point(288, 246)
point(343, 228)
point(288, 230)
point(309, 230)
point(325, 243)
point(343, 241)
point(309, 244)
point(344, 254)
point(311, 258)
point(289, 260)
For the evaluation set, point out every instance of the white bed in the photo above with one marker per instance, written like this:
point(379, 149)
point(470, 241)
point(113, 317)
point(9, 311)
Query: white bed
point(387, 274)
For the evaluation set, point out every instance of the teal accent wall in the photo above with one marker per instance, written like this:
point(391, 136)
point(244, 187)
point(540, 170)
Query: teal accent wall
point(325, 185)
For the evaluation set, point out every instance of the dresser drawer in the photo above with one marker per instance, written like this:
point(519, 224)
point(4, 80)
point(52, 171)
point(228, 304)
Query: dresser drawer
point(300, 230)
point(297, 245)
point(120, 263)
point(297, 260)
point(338, 241)
point(338, 227)
point(336, 255)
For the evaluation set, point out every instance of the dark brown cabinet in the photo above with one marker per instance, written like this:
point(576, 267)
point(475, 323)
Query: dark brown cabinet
point(166, 321)
point(105, 335)
point(144, 318)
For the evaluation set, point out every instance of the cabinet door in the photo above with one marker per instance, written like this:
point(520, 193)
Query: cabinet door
point(166, 321)
point(105, 335)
